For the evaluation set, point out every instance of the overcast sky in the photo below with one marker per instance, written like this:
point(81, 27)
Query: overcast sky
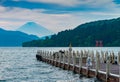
point(56, 15)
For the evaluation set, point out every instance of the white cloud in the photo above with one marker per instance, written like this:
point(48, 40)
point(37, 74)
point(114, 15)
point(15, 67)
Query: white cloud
point(12, 18)
point(2, 9)
point(15, 17)
point(58, 2)
point(72, 3)
point(16, 0)
point(103, 4)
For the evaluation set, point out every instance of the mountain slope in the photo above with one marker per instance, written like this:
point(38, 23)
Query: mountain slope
point(14, 38)
point(85, 35)
point(35, 29)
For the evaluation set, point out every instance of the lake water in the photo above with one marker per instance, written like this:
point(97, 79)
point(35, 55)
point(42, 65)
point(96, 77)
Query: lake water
point(20, 65)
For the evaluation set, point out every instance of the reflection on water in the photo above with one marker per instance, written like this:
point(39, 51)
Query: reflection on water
point(20, 65)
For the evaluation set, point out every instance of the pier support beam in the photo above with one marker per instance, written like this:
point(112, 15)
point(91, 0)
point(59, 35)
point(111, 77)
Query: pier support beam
point(80, 61)
point(102, 57)
point(97, 63)
point(64, 59)
point(107, 67)
point(60, 55)
point(74, 60)
point(119, 58)
point(69, 58)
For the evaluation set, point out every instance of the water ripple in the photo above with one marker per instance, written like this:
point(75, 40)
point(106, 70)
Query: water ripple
point(20, 65)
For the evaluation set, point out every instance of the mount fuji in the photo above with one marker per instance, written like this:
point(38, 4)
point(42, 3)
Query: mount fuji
point(35, 29)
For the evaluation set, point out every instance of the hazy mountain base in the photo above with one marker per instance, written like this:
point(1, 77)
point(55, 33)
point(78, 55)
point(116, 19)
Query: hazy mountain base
point(84, 35)
point(14, 38)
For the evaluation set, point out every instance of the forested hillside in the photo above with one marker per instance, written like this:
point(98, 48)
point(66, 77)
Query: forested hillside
point(84, 35)
point(14, 38)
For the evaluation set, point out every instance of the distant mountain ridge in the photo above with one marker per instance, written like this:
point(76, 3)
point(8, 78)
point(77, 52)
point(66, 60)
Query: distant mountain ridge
point(35, 29)
point(85, 35)
point(14, 38)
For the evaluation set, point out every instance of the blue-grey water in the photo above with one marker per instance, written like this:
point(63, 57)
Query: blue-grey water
point(20, 65)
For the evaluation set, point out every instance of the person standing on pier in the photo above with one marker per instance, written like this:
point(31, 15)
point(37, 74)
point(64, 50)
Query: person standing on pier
point(89, 62)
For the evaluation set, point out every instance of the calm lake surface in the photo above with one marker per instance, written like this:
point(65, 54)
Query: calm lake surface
point(19, 64)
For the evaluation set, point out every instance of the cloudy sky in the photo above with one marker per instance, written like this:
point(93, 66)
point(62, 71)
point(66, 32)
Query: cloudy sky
point(56, 15)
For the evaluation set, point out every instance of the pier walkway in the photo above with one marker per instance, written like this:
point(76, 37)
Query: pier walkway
point(102, 65)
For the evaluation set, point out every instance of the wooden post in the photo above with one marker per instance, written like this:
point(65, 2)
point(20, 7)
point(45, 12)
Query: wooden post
point(42, 53)
point(80, 61)
point(105, 58)
point(69, 58)
point(74, 60)
point(118, 58)
point(107, 67)
point(60, 58)
point(49, 57)
point(88, 54)
point(85, 53)
point(97, 63)
point(56, 59)
point(102, 57)
point(52, 58)
point(63, 55)
point(38, 52)
point(112, 57)
point(45, 56)
point(77, 58)
point(92, 55)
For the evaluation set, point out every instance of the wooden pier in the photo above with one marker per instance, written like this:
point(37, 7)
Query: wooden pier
point(105, 66)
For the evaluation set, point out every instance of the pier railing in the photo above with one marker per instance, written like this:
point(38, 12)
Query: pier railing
point(100, 64)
